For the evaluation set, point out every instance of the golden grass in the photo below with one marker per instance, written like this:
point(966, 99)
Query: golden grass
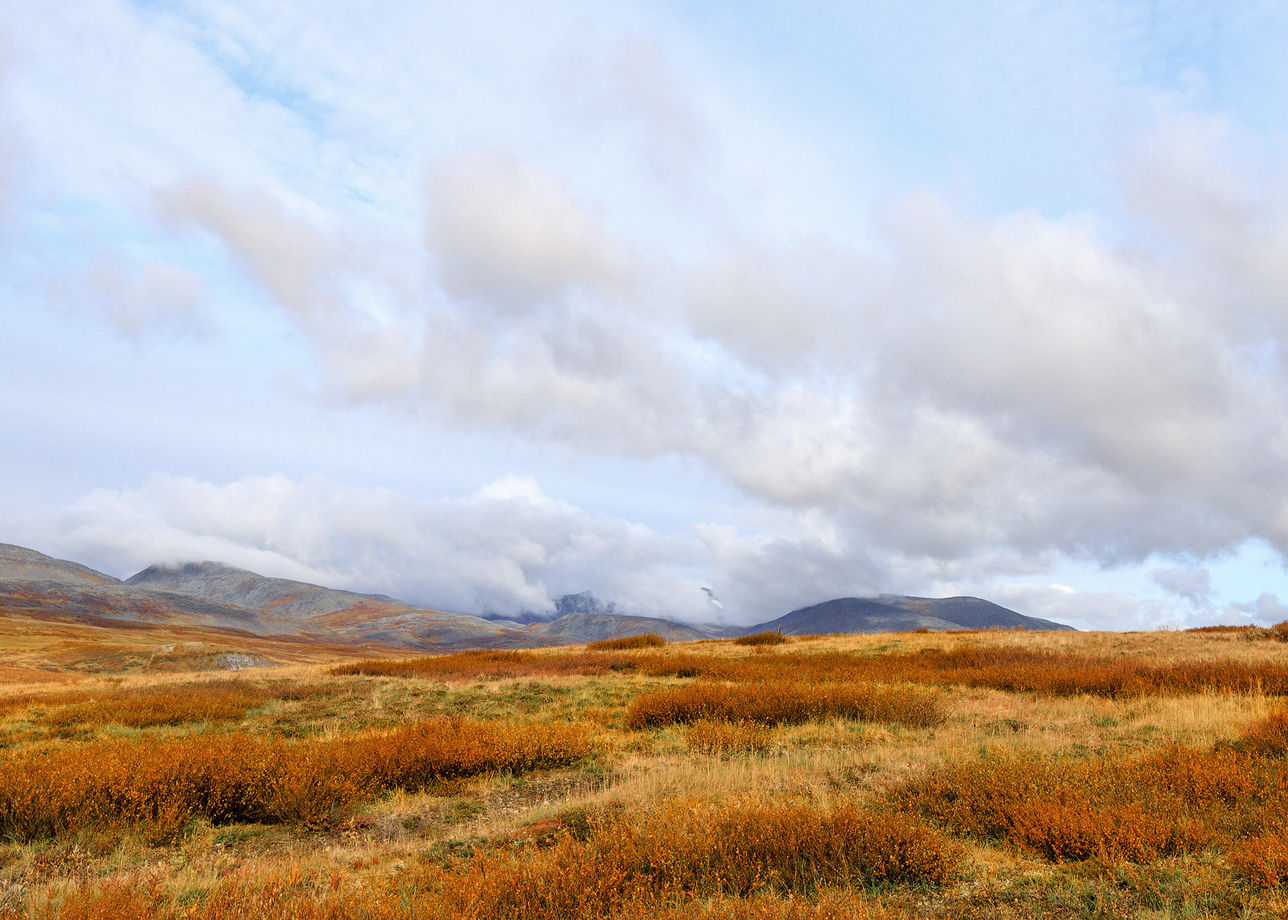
point(644, 640)
point(1060, 775)
point(786, 703)
point(762, 638)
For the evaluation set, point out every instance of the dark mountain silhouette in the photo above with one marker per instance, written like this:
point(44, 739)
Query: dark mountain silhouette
point(894, 613)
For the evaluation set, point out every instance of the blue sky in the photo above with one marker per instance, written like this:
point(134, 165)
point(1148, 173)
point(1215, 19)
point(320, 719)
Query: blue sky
point(478, 306)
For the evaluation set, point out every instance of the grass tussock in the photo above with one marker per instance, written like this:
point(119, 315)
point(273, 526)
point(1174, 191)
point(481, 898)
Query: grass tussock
point(163, 786)
point(1070, 674)
point(725, 739)
point(1176, 800)
point(623, 867)
point(624, 643)
point(487, 664)
point(684, 849)
point(786, 704)
point(769, 637)
point(1006, 668)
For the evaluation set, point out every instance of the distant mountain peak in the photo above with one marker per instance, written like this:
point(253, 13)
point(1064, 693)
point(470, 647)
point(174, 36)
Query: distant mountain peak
point(898, 613)
point(583, 602)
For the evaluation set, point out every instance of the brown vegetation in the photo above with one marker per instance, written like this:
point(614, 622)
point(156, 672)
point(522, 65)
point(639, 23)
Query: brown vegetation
point(989, 775)
point(165, 785)
point(769, 637)
point(783, 703)
point(644, 640)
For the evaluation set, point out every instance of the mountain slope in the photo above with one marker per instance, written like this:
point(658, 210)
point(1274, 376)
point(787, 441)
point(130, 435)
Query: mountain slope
point(343, 615)
point(33, 584)
point(592, 627)
point(893, 613)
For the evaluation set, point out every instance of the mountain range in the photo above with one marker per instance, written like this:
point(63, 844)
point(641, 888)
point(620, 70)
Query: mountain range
point(218, 596)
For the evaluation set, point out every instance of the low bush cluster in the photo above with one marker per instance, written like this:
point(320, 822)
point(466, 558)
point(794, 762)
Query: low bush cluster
point(644, 640)
point(1000, 668)
point(1172, 801)
point(485, 664)
point(756, 860)
point(783, 703)
point(687, 849)
point(163, 785)
point(769, 637)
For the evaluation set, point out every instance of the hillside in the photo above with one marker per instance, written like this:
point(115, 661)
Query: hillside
point(591, 627)
point(213, 595)
point(343, 615)
point(35, 585)
point(893, 613)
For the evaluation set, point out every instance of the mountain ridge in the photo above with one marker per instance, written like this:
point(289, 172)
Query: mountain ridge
point(222, 596)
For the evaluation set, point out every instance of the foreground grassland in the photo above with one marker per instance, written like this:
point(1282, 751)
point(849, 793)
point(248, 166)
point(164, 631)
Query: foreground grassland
point(992, 775)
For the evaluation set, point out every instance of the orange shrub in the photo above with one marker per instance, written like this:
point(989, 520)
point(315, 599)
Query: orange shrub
point(631, 865)
point(1269, 736)
point(164, 705)
point(644, 640)
point(769, 637)
point(785, 704)
point(679, 860)
point(1059, 809)
point(488, 664)
point(164, 785)
point(1263, 858)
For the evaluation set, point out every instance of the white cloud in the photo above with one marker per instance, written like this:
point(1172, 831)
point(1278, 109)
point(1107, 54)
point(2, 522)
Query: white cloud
point(507, 237)
point(1266, 610)
point(583, 229)
point(506, 548)
point(1193, 585)
point(154, 296)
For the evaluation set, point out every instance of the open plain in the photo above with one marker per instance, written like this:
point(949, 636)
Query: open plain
point(977, 774)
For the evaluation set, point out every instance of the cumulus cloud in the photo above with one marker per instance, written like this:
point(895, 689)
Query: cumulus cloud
point(506, 236)
point(295, 262)
point(632, 91)
point(1193, 585)
point(155, 296)
point(506, 548)
point(1266, 610)
point(1018, 382)
point(942, 395)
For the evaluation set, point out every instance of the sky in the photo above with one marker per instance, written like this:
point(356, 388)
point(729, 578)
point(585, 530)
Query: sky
point(480, 304)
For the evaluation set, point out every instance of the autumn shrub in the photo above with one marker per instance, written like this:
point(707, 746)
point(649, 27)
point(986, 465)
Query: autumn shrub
point(631, 864)
point(1269, 736)
point(769, 637)
point(222, 701)
point(495, 664)
point(1070, 674)
point(164, 785)
point(1058, 809)
point(786, 704)
point(711, 736)
point(746, 859)
point(1262, 858)
point(644, 640)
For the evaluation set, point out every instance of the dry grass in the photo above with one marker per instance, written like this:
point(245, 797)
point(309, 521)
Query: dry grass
point(165, 786)
point(644, 640)
point(762, 638)
point(783, 703)
point(944, 775)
